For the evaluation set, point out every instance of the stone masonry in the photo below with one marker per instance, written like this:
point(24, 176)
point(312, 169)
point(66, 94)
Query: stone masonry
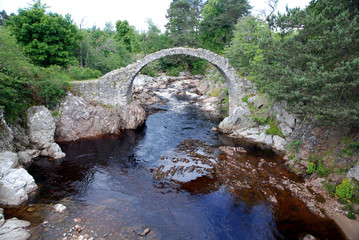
point(115, 88)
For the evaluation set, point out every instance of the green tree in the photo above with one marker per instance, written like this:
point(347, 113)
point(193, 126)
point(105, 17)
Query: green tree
point(23, 84)
point(153, 40)
point(14, 93)
point(245, 47)
point(3, 17)
point(315, 63)
point(47, 38)
point(183, 22)
point(102, 51)
point(126, 35)
point(219, 19)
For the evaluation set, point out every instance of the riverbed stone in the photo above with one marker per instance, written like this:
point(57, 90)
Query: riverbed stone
point(59, 208)
point(15, 229)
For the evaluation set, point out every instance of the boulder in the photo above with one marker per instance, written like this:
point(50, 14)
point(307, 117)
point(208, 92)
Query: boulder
point(41, 126)
point(286, 120)
point(41, 129)
point(2, 218)
point(354, 172)
point(15, 229)
point(80, 119)
point(15, 187)
point(240, 117)
point(25, 157)
point(8, 160)
point(15, 183)
point(132, 116)
point(6, 134)
point(279, 143)
point(140, 83)
point(21, 139)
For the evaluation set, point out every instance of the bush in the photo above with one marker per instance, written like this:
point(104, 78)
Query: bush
point(345, 190)
point(199, 67)
point(22, 84)
point(78, 73)
point(173, 72)
point(311, 167)
point(151, 69)
point(322, 170)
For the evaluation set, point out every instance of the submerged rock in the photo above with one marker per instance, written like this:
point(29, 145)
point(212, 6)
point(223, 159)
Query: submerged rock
point(59, 207)
point(13, 228)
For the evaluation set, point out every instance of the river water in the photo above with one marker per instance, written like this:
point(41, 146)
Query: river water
point(174, 176)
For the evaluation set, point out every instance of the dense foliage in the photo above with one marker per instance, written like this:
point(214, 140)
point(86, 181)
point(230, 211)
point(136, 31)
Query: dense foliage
point(23, 84)
point(183, 22)
point(310, 57)
point(219, 19)
point(311, 60)
point(47, 38)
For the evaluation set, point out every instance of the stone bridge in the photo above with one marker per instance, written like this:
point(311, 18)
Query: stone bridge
point(115, 88)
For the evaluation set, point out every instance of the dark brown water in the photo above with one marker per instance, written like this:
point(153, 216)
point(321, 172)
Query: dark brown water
point(170, 176)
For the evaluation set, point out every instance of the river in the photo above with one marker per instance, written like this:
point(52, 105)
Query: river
point(174, 178)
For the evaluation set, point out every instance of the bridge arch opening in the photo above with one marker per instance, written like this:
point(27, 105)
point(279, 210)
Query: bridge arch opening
point(232, 80)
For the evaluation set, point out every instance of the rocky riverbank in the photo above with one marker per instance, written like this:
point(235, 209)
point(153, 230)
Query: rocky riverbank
point(256, 119)
point(269, 125)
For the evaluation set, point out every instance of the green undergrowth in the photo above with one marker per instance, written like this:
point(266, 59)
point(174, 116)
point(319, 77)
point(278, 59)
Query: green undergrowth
point(22, 84)
point(261, 116)
point(334, 164)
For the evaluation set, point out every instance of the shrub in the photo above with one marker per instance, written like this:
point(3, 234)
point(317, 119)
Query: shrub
point(78, 73)
point(274, 130)
point(199, 67)
point(294, 145)
point(311, 167)
point(345, 190)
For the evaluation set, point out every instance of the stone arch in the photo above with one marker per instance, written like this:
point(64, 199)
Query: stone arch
point(115, 88)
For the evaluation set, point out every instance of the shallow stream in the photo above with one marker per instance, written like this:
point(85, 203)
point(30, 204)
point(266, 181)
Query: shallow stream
point(174, 176)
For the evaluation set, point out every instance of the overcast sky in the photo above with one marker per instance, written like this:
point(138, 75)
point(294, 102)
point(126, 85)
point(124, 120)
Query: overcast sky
point(98, 12)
